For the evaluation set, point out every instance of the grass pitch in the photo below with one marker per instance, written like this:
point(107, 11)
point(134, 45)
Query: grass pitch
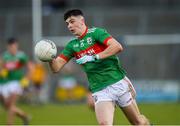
point(80, 114)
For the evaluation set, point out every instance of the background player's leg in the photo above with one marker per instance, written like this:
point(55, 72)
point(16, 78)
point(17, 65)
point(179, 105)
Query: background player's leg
point(9, 104)
point(14, 110)
point(90, 101)
point(105, 112)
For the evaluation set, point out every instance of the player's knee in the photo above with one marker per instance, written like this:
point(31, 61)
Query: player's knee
point(104, 122)
point(146, 121)
point(138, 122)
point(12, 108)
point(141, 120)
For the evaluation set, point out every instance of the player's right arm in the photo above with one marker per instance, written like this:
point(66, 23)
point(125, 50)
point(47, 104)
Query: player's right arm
point(57, 64)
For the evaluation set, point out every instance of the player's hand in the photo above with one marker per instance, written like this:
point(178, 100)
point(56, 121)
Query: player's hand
point(85, 59)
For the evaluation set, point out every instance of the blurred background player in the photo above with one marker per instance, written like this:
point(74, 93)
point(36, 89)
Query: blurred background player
point(13, 62)
point(95, 50)
point(38, 76)
point(90, 100)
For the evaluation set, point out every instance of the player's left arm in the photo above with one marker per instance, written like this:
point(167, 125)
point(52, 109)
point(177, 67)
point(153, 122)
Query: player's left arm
point(103, 37)
point(113, 47)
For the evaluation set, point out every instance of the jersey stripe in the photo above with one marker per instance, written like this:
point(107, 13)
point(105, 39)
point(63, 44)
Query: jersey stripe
point(94, 49)
point(64, 57)
point(13, 65)
point(106, 40)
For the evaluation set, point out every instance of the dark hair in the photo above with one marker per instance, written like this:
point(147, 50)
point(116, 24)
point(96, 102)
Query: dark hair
point(12, 41)
point(73, 12)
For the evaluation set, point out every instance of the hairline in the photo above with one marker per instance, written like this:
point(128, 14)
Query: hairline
point(78, 16)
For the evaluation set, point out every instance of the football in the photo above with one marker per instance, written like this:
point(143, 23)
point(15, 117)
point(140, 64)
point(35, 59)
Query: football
point(45, 50)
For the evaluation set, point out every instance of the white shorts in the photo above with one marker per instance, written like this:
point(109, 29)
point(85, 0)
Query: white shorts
point(122, 93)
point(12, 87)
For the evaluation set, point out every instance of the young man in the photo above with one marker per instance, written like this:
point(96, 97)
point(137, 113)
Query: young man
point(95, 50)
point(12, 64)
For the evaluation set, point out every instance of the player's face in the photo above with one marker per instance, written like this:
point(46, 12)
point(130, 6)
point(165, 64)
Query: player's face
point(13, 48)
point(75, 24)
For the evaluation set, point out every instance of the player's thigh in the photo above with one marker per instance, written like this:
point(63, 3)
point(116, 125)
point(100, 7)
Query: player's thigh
point(105, 112)
point(12, 94)
point(132, 112)
point(11, 100)
point(15, 88)
point(135, 104)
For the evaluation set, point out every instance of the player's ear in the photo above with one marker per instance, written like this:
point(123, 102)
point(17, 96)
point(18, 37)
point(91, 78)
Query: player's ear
point(82, 19)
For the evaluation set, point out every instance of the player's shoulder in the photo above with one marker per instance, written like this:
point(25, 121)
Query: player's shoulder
point(95, 29)
point(91, 30)
point(21, 54)
point(71, 43)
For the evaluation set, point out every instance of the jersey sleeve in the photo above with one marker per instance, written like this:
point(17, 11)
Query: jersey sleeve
point(67, 52)
point(102, 36)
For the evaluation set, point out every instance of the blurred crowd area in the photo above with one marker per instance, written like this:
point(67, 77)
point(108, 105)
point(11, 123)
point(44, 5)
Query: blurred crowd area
point(150, 66)
point(41, 88)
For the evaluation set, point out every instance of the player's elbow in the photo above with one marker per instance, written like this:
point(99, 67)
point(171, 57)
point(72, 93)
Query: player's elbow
point(119, 48)
point(55, 71)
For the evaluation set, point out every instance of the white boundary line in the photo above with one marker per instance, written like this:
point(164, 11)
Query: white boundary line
point(152, 39)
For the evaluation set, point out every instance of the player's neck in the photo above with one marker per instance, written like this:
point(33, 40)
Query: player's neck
point(83, 32)
point(14, 52)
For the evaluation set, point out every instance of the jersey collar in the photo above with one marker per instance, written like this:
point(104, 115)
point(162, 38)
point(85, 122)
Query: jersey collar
point(80, 37)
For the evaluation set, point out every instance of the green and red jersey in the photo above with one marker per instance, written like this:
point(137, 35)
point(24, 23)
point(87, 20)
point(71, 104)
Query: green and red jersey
point(102, 72)
point(13, 64)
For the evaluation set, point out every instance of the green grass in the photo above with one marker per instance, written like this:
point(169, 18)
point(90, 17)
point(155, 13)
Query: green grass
point(56, 114)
